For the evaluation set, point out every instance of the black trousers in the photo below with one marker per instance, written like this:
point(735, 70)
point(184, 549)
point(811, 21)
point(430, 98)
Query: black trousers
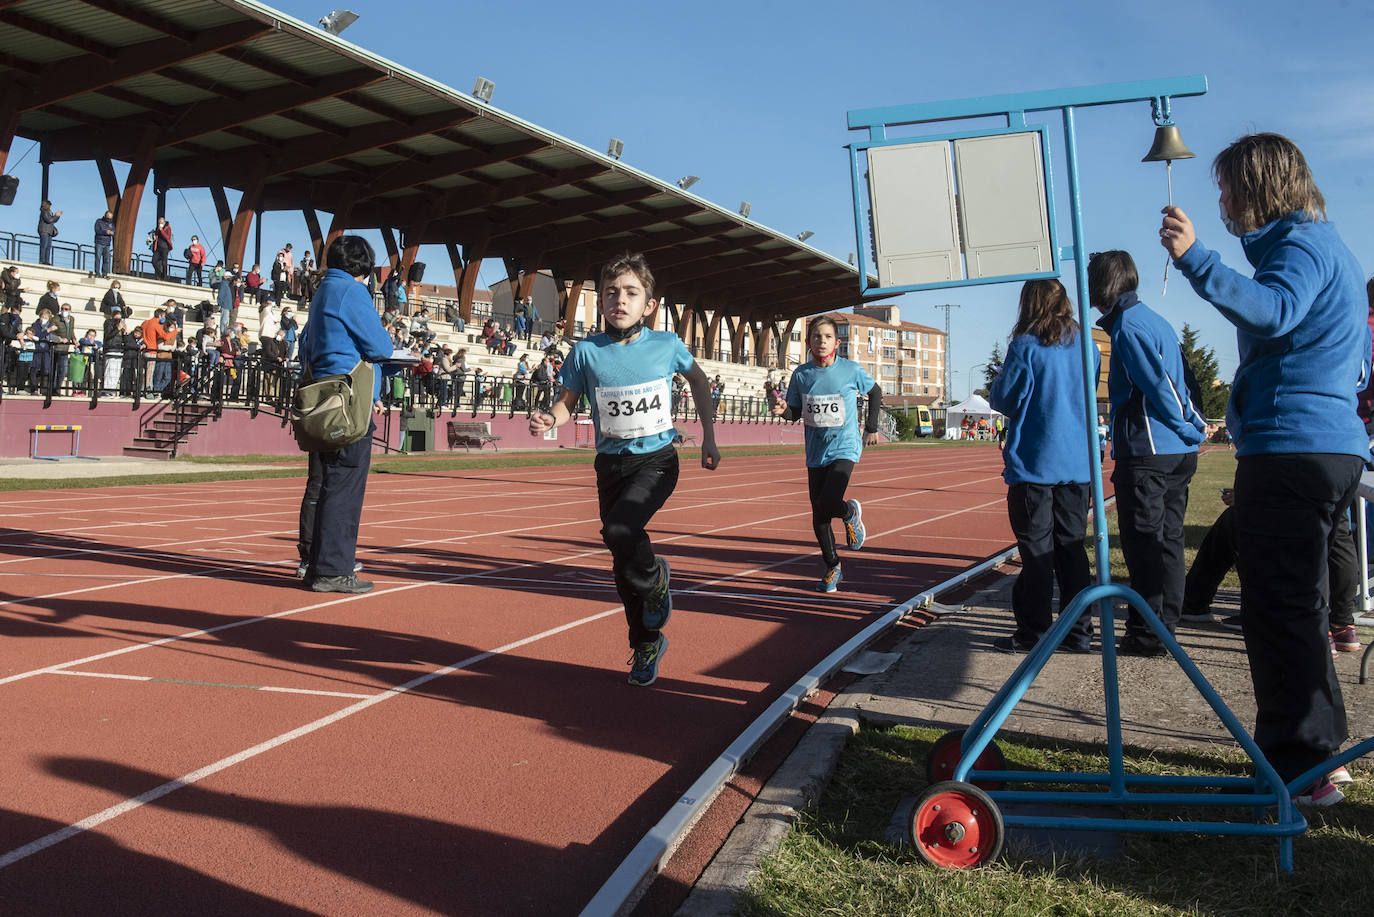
point(1288, 507)
point(339, 509)
point(1151, 498)
point(1050, 522)
point(630, 488)
point(309, 503)
point(1217, 555)
point(827, 485)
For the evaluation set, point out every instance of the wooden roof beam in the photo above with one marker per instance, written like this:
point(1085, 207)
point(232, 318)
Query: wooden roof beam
point(65, 36)
point(401, 177)
point(64, 79)
point(552, 242)
point(191, 78)
point(126, 10)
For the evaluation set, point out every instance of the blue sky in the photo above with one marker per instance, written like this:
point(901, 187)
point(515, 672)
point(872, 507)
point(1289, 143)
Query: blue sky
point(752, 96)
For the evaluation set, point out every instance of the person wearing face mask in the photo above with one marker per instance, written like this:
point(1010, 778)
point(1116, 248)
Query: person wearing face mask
point(63, 340)
point(162, 248)
point(1300, 445)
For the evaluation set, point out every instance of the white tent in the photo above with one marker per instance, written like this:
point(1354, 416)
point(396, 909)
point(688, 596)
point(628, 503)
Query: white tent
point(975, 407)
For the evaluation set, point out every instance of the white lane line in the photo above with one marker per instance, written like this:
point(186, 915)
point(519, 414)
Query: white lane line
point(155, 679)
point(129, 805)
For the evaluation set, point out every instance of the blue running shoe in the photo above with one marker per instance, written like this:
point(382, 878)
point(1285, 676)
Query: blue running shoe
point(644, 662)
point(854, 526)
point(658, 605)
point(831, 581)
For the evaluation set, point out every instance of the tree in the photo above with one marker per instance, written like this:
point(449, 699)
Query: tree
point(990, 370)
point(1203, 362)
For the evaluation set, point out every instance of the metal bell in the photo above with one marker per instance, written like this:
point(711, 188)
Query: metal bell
point(1168, 146)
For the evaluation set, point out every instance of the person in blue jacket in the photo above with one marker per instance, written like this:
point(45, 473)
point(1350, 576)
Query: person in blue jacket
point(344, 329)
point(1300, 445)
point(1047, 464)
point(824, 394)
point(1155, 431)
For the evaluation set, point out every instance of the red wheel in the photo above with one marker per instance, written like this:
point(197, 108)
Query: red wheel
point(956, 826)
point(944, 758)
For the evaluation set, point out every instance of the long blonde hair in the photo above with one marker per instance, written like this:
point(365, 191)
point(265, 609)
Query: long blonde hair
point(1268, 178)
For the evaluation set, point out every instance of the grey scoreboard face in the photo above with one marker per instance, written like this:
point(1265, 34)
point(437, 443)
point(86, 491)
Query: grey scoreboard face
point(972, 208)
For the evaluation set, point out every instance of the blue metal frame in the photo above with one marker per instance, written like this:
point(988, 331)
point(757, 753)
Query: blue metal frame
point(1015, 126)
point(1266, 788)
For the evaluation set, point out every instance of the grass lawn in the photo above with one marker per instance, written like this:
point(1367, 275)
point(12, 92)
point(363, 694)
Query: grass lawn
point(839, 861)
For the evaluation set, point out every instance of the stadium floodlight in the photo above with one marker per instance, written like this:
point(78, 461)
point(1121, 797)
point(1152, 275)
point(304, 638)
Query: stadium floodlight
point(687, 181)
point(804, 235)
point(851, 257)
point(483, 89)
point(744, 208)
point(335, 21)
point(615, 148)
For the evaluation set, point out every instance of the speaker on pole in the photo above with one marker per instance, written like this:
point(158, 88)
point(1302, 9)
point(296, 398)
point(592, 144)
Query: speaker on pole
point(9, 186)
point(417, 272)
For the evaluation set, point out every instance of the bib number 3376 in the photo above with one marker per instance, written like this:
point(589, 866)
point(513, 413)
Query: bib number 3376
point(632, 411)
point(823, 410)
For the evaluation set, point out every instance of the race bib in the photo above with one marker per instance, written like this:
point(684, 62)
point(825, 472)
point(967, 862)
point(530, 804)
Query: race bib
point(823, 410)
point(632, 411)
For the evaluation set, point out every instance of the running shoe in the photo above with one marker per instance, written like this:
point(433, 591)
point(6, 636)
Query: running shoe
point(1012, 645)
point(658, 604)
point(854, 526)
point(349, 584)
point(644, 662)
point(1340, 776)
point(1231, 622)
point(1346, 639)
point(1196, 617)
point(303, 569)
point(831, 581)
point(1320, 794)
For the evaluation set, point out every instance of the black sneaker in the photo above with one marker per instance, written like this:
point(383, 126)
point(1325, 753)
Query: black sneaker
point(1131, 645)
point(1231, 622)
point(1199, 616)
point(349, 584)
point(1012, 645)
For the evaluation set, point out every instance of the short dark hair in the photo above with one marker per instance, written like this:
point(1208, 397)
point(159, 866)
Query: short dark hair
point(633, 262)
point(351, 254)
point(1109, 275)
point(821, 320)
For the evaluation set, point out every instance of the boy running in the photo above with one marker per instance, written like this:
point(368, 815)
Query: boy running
point(823, 394)
point(625, 373)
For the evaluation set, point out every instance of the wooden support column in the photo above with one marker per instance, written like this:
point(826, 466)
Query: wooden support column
point(126, 218)
point(109, 181)
point(467, 279)
point(225, 217)
point(312, 225)
point(530, 270)
point(9, 121)
point(735, 340)
point(237, 243)
point(393, 254)
point(338, 225)
point(785, 344)
point(765, 345)
point(712, 343)
point(701, 327)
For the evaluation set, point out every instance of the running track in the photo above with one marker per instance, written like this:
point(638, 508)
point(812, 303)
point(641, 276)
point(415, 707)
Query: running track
point(186, 731)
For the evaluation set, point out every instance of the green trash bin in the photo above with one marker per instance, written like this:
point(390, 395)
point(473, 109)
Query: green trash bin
point(506, 393)
point(76, 369)
point(398, 388)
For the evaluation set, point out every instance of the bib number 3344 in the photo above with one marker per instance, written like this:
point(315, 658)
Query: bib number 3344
point(823, 410)
point(632, 411)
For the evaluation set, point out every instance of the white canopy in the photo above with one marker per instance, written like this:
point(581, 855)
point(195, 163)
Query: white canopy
point(976, 406)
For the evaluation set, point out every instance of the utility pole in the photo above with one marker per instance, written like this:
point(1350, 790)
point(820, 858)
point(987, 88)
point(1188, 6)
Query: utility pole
point(947, 380)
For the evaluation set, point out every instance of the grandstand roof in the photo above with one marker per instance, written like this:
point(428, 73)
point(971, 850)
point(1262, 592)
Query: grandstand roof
point(232, 92)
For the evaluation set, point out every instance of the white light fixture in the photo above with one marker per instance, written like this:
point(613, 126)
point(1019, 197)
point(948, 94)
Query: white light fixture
point(335, 21)
point(744, 208)
point(851, 257)
point(687, 181)
point(483, 88)
point(804, 235)
point(615, 148)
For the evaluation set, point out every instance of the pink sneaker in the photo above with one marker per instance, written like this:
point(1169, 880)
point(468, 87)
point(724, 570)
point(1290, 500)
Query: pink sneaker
point(1340, 776)
point(1321, 794)
point(1346, 639)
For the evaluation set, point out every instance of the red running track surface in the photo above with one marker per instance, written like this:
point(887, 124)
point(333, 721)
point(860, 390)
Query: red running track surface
point(187, 731)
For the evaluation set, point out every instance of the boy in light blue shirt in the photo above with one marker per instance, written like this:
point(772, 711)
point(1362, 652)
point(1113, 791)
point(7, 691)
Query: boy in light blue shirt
point(625, 372)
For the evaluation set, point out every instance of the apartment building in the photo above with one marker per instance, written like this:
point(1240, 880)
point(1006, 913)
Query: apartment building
point(907, 359)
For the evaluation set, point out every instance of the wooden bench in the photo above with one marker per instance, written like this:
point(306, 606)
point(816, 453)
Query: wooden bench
point(469, 433)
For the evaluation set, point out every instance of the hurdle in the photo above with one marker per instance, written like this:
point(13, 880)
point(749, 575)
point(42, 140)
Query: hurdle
point(73, 428)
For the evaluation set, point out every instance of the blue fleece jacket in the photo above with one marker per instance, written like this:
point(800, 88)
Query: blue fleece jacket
point(1301, 332)
point(344, 328)
point(1152, 412)
point(1040, 389)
